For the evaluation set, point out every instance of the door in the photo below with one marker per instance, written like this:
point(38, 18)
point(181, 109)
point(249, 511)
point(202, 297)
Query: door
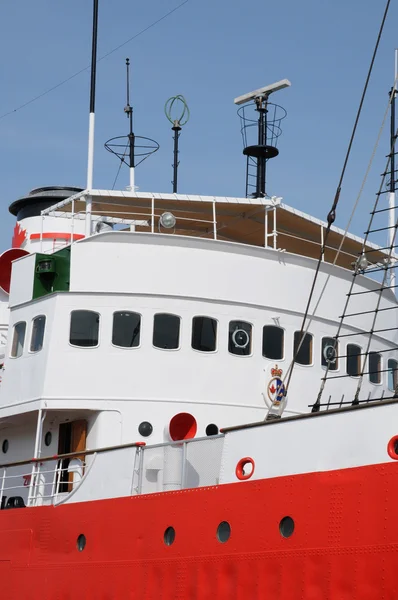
point(72, 438)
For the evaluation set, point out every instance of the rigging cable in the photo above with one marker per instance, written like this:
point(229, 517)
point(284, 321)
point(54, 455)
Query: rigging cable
point(332, 213)
point(61, 83)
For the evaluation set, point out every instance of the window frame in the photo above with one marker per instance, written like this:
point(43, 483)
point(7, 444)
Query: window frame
point(359, 358)
point(379, 372)
point(283, 344)
point(99, 328)
point(217, 334)
point(251, 338)
point(328, 337)
point(31, 334)
point(141, 321)
point(12, 340)
point(391, 371)
point(311, 363)
point(179, 332)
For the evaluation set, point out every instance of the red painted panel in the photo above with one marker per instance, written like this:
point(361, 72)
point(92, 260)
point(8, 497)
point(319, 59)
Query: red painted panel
point(344, 546)
point(56, 236)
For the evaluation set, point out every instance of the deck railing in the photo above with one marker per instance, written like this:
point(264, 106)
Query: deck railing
point(135, 469)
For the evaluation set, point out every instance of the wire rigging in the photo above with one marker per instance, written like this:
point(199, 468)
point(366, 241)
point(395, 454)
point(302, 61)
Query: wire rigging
point(332, 213)
point(64, 81)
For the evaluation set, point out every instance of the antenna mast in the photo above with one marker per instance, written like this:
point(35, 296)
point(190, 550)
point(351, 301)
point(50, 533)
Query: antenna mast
point(177, 124)
point(129, 112)
point(268, 129)
point(131, 149)
point(90, 159)
point(391, 195)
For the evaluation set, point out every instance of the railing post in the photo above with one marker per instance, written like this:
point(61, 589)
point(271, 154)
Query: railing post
point(3, 479)
point(274, 232)
point(140, 451)
point(183, 465)
point(214, 221)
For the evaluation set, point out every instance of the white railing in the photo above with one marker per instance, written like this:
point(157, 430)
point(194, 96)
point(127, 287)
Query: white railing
point(125, 470)
point(180, 465)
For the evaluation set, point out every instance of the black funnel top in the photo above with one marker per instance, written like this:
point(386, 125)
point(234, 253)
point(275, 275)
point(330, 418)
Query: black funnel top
point(39, 199)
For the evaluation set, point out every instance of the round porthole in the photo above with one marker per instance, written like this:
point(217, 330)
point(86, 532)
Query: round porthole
point(223, 532)
point(4, 447)
point(245, 468)
point(169, 536)
point(211, 429)
point(81, 542)
point(286, 527)
point(392, 447)
point(145, 429)
point(48, 438)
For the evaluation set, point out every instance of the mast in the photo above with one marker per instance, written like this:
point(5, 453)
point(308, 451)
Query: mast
point(129, 112)
point(391, 195)
point(90, 161)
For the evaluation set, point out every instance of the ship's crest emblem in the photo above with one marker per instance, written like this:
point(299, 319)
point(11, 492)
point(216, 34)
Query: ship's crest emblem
point(276, 388)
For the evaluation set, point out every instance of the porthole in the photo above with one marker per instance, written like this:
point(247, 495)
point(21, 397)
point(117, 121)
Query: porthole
point(5, 447)
point(286, 527)
point(211, 429)
point(81, 542)
point(145, 429)
point(169, 536)
point(48, 438)
point(223, 532)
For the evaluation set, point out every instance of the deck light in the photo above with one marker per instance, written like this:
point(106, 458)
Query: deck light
point(168, 220)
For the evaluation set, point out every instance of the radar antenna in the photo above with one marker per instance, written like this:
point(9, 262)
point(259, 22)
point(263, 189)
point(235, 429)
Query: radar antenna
point(177, 124)
point(125, 147)
point(267, 125)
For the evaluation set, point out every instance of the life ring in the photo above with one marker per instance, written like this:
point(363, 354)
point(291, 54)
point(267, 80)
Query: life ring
point(240, 468)
point(392, 447)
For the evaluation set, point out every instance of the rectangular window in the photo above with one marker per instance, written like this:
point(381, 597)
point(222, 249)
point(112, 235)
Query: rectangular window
point(126, 329)
point(204, 334)
point(353, 360)
point(329, 355)
point(84, 328)
point(392, 374)
point(374, 367)
point(302, 349)
point(18, 339)
point(240, 338)
point(273, 342)
point(37, 337)
point(166, 331)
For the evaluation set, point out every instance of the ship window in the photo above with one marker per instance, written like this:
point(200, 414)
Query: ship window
point(166, 331)
point(240, 338)
point(84, 328)
point(374, 367)
point(353, 360)
point(204, 334)
point(18, 339)
point(36, 340)
point(273, 342)
point(126, 329)
point(392, 374)
point(302, 348)
point(223, 532)
point(329, 354)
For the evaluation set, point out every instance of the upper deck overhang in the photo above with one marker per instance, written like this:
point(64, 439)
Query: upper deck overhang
point(264, 222)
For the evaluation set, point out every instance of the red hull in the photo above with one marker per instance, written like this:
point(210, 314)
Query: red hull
point(344, 546)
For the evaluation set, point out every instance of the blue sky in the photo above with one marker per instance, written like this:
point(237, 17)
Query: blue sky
point(209, 51)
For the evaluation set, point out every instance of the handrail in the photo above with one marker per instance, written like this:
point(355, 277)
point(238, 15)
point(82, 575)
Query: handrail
point(71, 454)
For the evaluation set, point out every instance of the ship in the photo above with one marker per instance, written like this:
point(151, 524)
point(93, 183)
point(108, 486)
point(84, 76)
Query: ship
point(179, 418)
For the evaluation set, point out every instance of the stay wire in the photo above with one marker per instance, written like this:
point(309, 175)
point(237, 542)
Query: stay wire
point(64, 81)
point(332, 213)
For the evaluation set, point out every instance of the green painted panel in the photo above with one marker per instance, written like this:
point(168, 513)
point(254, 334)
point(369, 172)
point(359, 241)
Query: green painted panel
point(52, 273)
